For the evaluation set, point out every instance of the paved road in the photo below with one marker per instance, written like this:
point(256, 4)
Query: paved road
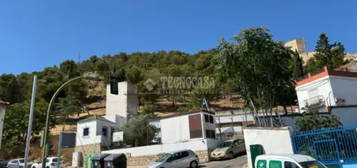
point(237, 162)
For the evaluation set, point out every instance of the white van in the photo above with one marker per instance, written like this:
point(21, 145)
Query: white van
point(287, 161)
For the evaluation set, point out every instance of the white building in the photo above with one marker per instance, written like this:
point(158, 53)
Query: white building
point(94, 134)
point(327, 88)
point(2, 118)
point(94, 130)
point(121, 106)
point(185, 127)
point(191, 130)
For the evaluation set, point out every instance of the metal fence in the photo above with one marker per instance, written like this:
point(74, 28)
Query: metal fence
point(330, 146)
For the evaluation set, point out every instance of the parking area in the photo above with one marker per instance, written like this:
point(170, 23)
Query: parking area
point(238, 162)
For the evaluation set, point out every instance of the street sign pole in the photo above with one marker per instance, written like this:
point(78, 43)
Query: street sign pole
point(29, 129)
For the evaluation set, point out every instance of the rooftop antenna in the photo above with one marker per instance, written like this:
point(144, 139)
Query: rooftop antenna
point(205, 105)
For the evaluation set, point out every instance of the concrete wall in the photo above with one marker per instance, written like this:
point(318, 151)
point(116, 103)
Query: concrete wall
point(275, 140)
point(175, 129)
point(141, 156)
point(344, 88)
point(347, 115)
point(95, 133)
point(2, 118)
point(124, 105)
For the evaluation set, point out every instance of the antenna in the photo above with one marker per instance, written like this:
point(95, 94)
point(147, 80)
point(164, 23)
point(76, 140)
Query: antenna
point(205, 105)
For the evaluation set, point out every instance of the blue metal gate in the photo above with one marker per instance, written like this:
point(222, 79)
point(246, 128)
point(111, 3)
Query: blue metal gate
point(330, 146)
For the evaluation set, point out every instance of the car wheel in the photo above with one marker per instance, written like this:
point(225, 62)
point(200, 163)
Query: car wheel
point(231, 155)
point(194, 164)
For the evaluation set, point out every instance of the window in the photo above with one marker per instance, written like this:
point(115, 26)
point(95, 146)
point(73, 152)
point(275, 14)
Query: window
point(104, 131)
point(86, 132)
point(311, 164)
point(175, 156)
point(206, 118)
point(261, 164)
point(211, 134)
point(236, 143)
point(184, 154)
point(275, 164)
point(209, 119)
point(195, 126)
point(290, 165)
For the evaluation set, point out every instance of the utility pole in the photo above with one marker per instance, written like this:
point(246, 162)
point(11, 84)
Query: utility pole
point(59, 150)
point(29, 129)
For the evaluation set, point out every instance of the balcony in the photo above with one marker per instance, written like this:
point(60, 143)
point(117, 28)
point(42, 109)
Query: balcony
point(316, 103)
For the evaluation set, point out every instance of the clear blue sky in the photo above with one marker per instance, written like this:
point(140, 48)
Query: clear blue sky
point(39, 33)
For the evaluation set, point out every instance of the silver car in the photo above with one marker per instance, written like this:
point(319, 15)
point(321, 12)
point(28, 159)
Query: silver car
point(177, 159)
point(18, 163)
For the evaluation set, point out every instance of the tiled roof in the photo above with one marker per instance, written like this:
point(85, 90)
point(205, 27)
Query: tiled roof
point(325, 73)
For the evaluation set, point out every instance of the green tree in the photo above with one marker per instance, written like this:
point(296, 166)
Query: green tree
point(138, 131)
point(258, 66)
point(330, 55)
point(16, 122)
point(134, 75)
point(313, 121)
point(69, 68)
point(10, 89)
point(297, 66)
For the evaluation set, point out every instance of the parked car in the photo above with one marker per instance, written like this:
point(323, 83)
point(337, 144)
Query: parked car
point(228, 149)
point(287, 161)
point(3, 164)
point(18, 163)
point(178, 159)
point(51, 162)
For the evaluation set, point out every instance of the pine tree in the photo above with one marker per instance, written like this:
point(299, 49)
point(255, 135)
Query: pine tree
point(297, 66)
point(330, 55)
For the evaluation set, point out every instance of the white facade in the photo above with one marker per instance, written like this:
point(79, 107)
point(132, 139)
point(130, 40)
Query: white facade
point(176, 129)
point(122, 106)
point(2, 118)
point(328, 88)
point(274, 140)
point(346, 114)
point(94, 131)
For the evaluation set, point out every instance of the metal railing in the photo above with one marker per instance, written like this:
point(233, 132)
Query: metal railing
point(314, 101)
point(330, 146)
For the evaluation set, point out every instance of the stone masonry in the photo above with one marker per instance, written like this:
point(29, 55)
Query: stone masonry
point(88, 149)
point(143, 161)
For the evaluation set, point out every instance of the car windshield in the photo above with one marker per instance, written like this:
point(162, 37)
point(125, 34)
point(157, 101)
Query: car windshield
point(163, 157)
point(21, 160)
point(312, 164)
point(226, 144)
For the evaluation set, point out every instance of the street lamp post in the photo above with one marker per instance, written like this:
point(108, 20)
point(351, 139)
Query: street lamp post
point(44, 144)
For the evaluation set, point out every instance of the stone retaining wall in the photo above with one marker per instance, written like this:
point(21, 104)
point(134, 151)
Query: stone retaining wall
point(144, 161)
point(87, 150)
